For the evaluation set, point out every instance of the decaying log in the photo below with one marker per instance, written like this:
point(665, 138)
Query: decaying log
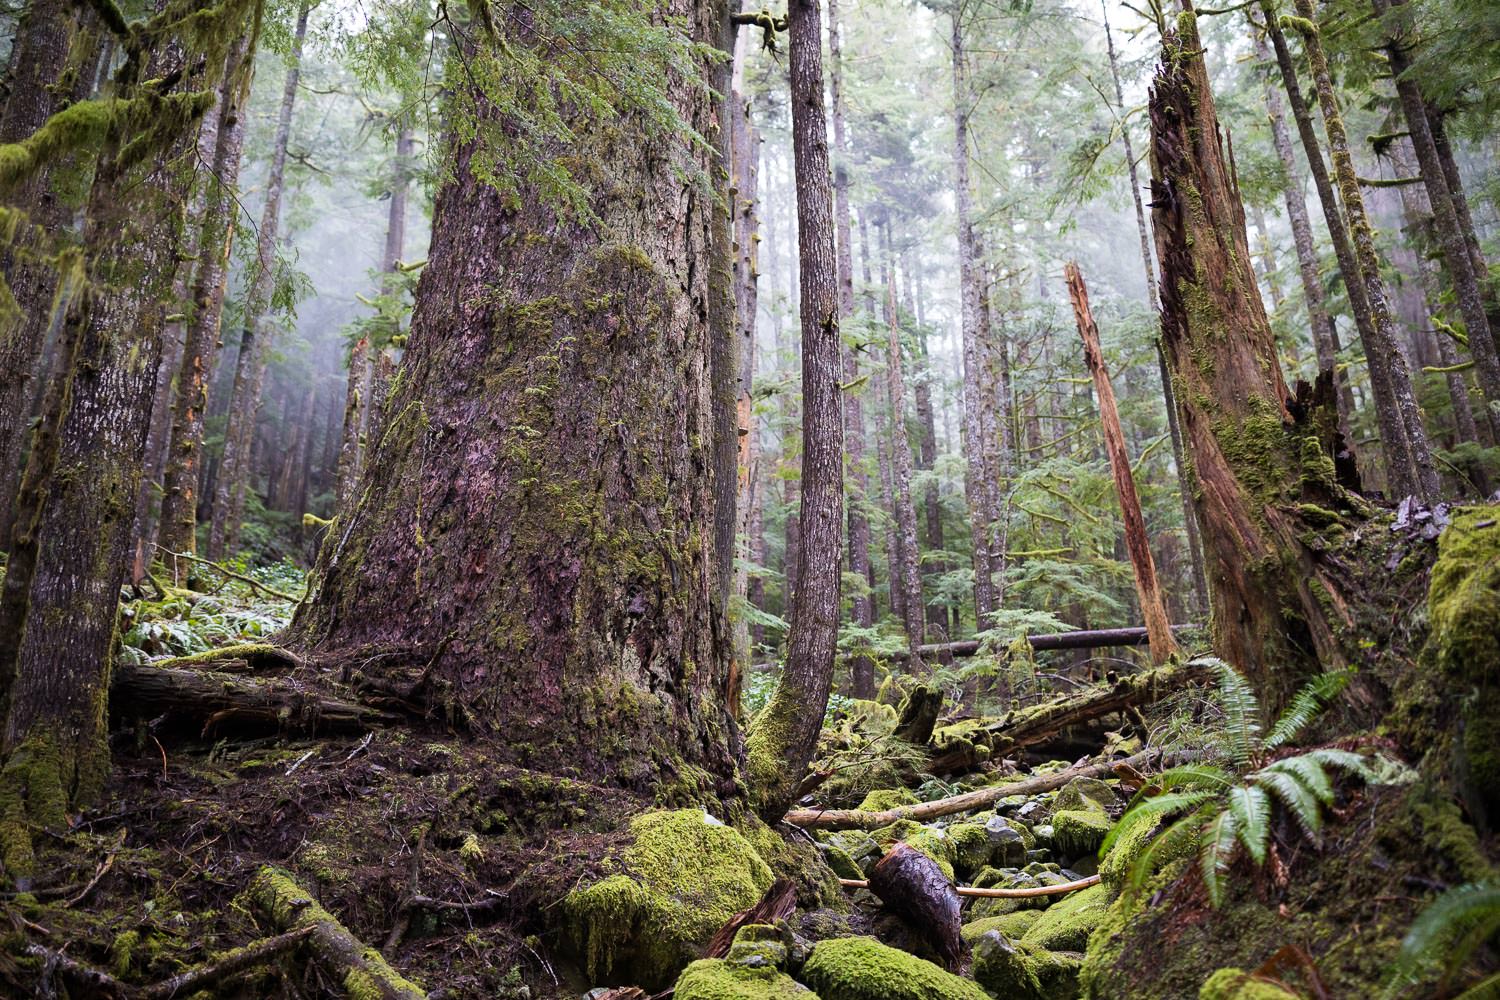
point(283, 703)
point(200, 977)
point(916, 890)
point(777, 904)
point(1026, 727)
point(977, 893)
point(363, 970)
point(919, 714)
point(1094, 638)
point(980, 798)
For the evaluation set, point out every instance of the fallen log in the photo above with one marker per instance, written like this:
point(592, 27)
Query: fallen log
point(1095, 638)
point(980, 798)
point(913, 887)
point(966, 745)
point(282, 703)
point(977, 893)
point(362, 970)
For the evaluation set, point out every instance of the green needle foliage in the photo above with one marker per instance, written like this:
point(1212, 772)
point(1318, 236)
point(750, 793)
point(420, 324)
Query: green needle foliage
point(1229, 808)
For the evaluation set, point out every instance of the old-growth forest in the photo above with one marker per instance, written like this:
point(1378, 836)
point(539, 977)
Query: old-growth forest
point(844, 499)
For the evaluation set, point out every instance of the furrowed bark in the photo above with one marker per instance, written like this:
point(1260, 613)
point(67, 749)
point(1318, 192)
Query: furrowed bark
point(908, 574)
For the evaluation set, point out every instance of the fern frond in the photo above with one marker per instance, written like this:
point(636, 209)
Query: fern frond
point(1251, 808)
point(1152, 810)
point(1216, 851)
point(1307, 771)
point(1447, 933)
point(1184, 776)
point(1344, 760)
point(1306, 705)
point(1241, 711)
point(1296, 797)
point(1169, 840)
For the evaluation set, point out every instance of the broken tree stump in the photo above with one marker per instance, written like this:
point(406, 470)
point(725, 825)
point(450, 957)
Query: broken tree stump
point(362, 970)
point(914, 888)
point(919, 714)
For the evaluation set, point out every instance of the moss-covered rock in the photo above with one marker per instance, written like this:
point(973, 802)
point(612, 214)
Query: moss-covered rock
point(971, 847)
point(936, 844)
point(1015, 970)
point(725, 979)
point(1066, 925)
point(861, 968)
point(1084, 793)
point(682, 877)
point(1237, 984)
point(857, 845)
point(1079, 831)
point(1013, 925)
point(888, 798)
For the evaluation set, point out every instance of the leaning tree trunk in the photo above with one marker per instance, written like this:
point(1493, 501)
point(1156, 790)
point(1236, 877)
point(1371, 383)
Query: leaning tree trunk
point(531, 550)
point(1253, 463)
point(58, 612)
point(784, 736)
point(244, 396)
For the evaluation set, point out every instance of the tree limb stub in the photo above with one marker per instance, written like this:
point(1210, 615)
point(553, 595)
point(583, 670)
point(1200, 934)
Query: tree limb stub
point(363, 971)
point(859, 819)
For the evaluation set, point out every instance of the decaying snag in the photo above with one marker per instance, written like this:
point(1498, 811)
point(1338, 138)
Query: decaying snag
point(913, 886)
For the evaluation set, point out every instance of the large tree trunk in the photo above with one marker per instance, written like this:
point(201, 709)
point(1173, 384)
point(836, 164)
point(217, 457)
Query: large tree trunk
point(908, 575)
point(532, 545)
point(179, 514)
point(785, 735)
point(1252, 462)
point(58, 613)
point(249, 366)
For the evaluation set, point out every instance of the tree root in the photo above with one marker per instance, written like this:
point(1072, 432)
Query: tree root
point(253, 654)
point(859, 819)
point(361, 969)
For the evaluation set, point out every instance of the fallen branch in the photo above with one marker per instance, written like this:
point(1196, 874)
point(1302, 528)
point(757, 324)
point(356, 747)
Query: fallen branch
point(363, 971)
point(251, 653)
point(980, 798)
point(200, 977)
point(231, 574)
point(968, 890)
point(1097, 638)
point(281, 703)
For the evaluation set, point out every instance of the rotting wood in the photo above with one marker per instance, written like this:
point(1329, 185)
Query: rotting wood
point(980, 798)
point(200, 977)
point(282, 703)
point(361, 969)
point(974, 892)
point(1097, 638)
point(777, 904)
point(1158, 631)
point(912, 886)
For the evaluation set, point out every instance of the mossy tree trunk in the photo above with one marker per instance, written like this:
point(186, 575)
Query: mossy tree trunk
point(907, 574)
point(784, 736)
point(1276, 608)
point(62, 620)
point(531, 549)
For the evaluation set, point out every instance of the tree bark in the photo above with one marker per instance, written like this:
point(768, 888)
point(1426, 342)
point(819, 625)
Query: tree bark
point(249, 367)
point(179, 515)
point(1158, 629)
point(907, 575)
point(533, 535)
point(1253, 462)
point(783, 738)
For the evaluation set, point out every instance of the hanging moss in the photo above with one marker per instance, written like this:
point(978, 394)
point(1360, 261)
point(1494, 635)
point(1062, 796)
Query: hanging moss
point(77, 128)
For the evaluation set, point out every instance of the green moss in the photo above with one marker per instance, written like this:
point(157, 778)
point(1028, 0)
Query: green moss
point(861, 968)
point(1114, 867)
point(1066, 925)
point(723, 979)
point(1012, 925)
point(1018, 971)
point(1237, 984)
point(888, 798)
point(971, 847)
point(811, 869)
point(684, 875)
point(936, 844)
point(1079, 831)
point(122, 952)
point(75, 128)
point(1084, 793)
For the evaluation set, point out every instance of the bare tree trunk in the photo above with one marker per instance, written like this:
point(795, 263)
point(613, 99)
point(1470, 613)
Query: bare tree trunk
point(1450, 234)
point(221, 147)
point(994, 428)
point(1324, 336)
point(1158, 626)
point(249, 368)
point(784, 737)
point(976, 475)
point(908, 575)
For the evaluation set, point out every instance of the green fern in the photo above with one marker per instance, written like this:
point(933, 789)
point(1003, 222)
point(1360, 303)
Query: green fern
point(1225, 810)
point(1446, 936)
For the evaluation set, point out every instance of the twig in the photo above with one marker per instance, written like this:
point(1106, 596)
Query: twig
point(190, 981)
point(966, 890)
point(226, 571)
point(300, 761)
point(99, 873)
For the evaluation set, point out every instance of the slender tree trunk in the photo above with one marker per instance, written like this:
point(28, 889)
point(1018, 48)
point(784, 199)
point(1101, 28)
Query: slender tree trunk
point(1158, 626)
point(179, 515)
point(1272, 597)
point(932, 503)
point(1324, 336)
point(975, 478)
point(862, 607)
point(908, 575)
point(59, 610)
point(529, 561)
point(783, 738)
point(994, 428)
point(249, 368)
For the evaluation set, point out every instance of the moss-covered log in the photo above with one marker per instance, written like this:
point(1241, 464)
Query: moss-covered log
point(362, 970)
